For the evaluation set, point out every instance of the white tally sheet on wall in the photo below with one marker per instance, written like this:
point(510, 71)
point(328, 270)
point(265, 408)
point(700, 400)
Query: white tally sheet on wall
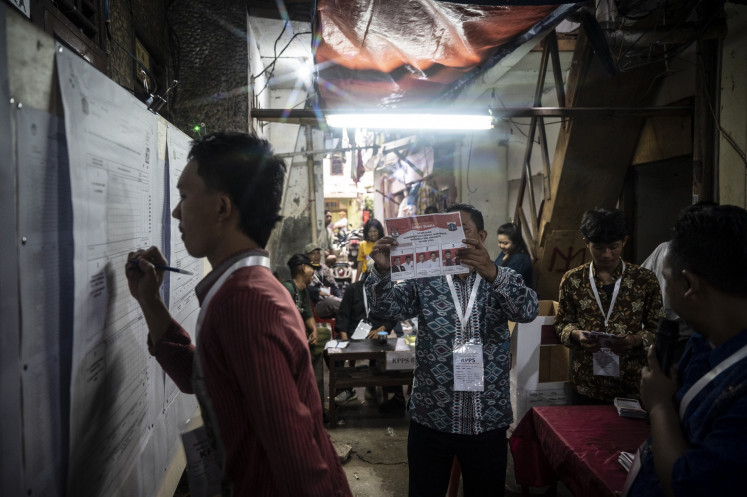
point(119, 193)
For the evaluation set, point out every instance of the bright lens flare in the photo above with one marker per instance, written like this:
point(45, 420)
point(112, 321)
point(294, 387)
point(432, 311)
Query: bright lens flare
point(410, 121)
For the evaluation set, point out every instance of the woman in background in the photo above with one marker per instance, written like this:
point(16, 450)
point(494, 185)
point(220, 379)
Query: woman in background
point(372, 231)
point(514, 254)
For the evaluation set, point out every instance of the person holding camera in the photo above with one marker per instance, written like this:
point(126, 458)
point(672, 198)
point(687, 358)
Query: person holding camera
point(607, 314)
point(698, 409)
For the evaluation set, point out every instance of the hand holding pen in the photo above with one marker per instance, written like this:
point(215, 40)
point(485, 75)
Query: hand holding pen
point(144, 281)
point(160, 267)
point(143, 277)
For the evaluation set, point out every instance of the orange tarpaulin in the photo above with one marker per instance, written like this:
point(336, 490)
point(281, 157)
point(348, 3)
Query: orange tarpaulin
point(395, 53)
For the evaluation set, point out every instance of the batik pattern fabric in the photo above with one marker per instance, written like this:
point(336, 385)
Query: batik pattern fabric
point(324, 277)
point(434, 402)
point(637, 311)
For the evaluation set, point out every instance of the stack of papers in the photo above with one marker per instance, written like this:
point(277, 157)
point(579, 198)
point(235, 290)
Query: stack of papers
point(626, 460)
point(335, 345)
point(629, 408)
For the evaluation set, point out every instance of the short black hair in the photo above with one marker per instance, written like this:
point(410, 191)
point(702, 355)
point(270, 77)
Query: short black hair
point(475, 214)
point(373, 223)
point(603, 225)
point(711, 241)
point(296, 262)
point(245, 167)
point(513, 232)
point(431, 209)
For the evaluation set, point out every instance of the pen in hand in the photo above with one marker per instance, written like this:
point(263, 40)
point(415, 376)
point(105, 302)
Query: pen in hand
point(165, 268)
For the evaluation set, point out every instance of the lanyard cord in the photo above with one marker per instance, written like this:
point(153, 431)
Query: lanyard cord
point(614, 293)
point(365, 301)
point(464, 317)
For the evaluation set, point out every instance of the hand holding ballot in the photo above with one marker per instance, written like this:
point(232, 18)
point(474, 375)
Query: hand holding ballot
point(380, 253)
point(477, 256)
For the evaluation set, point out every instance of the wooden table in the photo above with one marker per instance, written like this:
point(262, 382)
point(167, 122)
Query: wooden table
point(577, 445)
point(341, 377)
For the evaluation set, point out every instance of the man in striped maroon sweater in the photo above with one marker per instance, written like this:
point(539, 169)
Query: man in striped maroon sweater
point(250, 368)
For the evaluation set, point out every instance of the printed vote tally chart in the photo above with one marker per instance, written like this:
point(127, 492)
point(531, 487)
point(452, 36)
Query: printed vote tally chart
point(426, 245)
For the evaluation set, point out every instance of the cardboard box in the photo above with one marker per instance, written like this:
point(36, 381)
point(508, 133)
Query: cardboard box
point(539, 363)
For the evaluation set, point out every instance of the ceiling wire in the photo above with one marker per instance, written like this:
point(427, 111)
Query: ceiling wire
point(270, 68)
point(469, 162)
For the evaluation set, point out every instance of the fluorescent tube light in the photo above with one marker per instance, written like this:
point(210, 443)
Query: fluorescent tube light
point(394, 120)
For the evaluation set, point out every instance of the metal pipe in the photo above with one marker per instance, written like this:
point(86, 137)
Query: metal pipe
point(312, 185)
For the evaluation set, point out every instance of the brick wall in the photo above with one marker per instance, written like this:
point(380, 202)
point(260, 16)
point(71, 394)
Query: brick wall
point(202, 44)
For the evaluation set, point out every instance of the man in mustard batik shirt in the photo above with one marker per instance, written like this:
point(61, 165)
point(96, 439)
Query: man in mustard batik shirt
point(610, 296)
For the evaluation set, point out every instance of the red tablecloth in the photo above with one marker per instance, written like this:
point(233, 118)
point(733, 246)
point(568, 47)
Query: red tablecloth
point(577, 445)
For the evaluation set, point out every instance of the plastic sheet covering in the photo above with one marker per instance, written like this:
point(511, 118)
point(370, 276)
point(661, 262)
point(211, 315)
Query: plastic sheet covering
point(411, 53)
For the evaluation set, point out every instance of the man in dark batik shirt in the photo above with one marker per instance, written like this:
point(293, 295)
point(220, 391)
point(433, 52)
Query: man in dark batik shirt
point(448, 418)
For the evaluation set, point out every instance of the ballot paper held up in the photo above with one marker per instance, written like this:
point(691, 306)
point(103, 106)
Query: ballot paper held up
point(426, 245)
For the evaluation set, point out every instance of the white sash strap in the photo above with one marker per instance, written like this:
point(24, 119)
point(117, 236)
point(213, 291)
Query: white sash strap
point(252, 260)
point(694, 390)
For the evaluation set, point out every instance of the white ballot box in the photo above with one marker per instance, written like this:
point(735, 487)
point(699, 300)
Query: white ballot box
point(539, 363)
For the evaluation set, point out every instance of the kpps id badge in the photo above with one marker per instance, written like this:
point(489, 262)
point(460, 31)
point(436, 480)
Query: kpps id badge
point(468, 368)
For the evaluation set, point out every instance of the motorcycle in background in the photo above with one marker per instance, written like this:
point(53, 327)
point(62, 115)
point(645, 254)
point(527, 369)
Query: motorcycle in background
point(343, 273)
point(354, 241)
point(346, 247)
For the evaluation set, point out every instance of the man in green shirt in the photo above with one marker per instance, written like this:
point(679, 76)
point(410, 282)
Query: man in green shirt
point(301, 274)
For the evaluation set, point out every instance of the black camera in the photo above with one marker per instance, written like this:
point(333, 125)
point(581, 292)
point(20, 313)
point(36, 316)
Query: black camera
point(667, 335)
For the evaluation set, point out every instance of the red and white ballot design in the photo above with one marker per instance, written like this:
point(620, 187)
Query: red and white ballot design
point(427, 245)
